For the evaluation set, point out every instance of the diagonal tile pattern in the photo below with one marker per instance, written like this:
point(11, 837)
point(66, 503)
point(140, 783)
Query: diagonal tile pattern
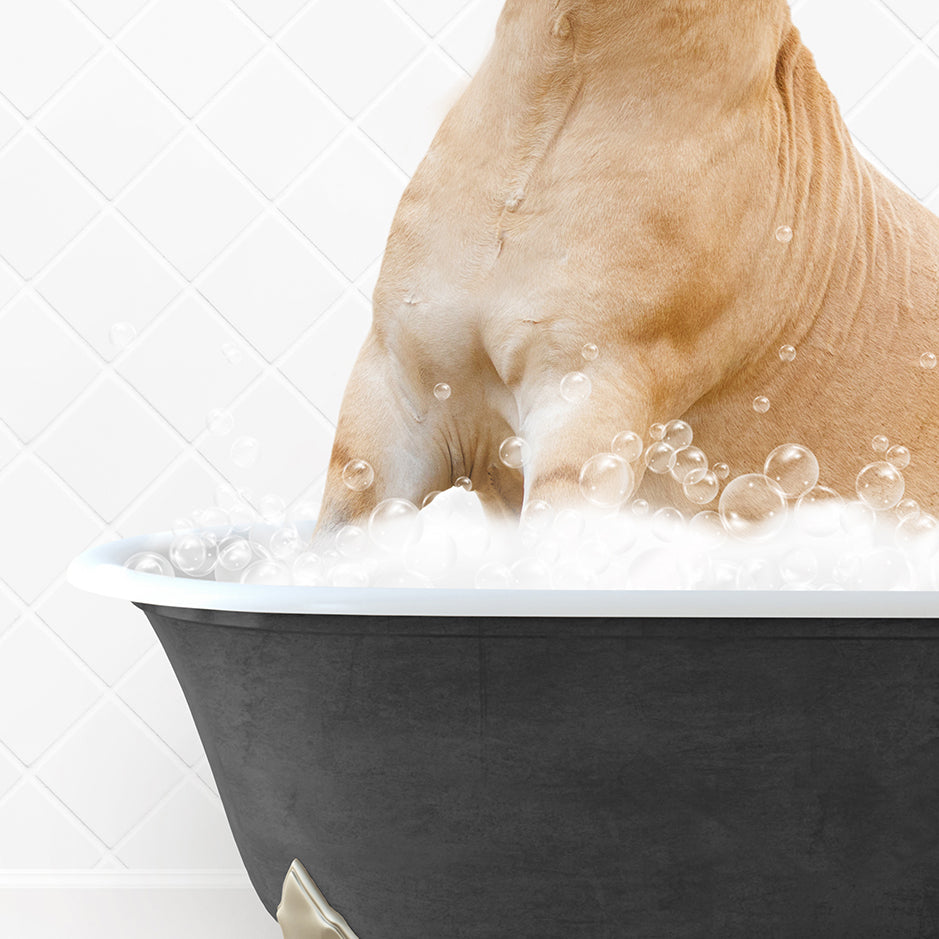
point(220, 175)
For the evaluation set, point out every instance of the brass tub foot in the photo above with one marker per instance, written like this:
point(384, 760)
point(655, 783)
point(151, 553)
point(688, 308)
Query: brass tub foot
point(303, 912)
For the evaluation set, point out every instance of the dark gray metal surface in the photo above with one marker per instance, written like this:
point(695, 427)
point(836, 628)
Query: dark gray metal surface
point(544, 779)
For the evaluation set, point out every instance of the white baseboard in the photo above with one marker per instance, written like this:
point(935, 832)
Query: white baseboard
point(117, 905)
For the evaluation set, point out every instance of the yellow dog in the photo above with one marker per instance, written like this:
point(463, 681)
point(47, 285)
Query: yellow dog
point(670, 180)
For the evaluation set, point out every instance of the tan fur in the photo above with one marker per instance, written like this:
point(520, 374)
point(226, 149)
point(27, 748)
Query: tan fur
point(616, 173)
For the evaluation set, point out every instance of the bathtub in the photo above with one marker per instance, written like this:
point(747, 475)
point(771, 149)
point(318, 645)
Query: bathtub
point(545, 764)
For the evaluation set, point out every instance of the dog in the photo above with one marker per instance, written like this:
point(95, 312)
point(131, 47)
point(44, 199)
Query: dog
point(670, 181)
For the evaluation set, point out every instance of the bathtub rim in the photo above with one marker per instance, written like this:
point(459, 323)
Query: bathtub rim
point(100, 570)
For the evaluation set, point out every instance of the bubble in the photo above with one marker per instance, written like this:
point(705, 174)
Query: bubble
point(907, 508)
point(530, 573)
point(493, 576)
point(394, 524)
point(434, 555)
point(537, 516)
point(590, 352)
point(656, 569)
point(266, 573)
point(442, 391)
point(761, 404)
point(793, 468)
point(857, 518)
point(272, 509)
point(215, 519)
point(880, 444)
point(752, 507)
point(351, 541)
point(639, 508)
point(576, 387)
point(628, 445)
point(899, 457)
point(260, 538)
point(220, 422)
point(235, 554)
point(358, 475)
point(701, 489)
point(569, 525)
point(305, 512)
point(678, 435)
point(919, 529)
point(657, 432)
point(241, 514)
point(668, 524)
point(122, 335)
point(232, 353)
point(690, 465)
point(721, 470)
point(464, 482)
point(149, 562)
point(515, 452)
point(245, 451)
point(799, 567)
point(285, 543)
point(192, 554)
point(429, 498)
point(349, 576)
point(880, 486)
point(708, 528)
point(927, 360)
point(818, 511)
point(787, 353)
point(606, 480)
point(309, 569)
point(759, 574)
point(660, 458)
point(182, 524)
point(784, 234)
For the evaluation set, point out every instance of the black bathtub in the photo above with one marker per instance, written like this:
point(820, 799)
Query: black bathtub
point(550, 764)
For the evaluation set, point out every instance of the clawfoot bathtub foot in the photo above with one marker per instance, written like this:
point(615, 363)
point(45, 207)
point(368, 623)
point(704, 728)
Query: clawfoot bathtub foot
point(303, 912)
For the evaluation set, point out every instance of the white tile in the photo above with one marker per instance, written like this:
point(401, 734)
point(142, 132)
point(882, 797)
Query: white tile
point(181, 368)
point(36, 833)
point(111, 447)
point(433, 15)
point(189, 205)
point(9, 773)
point(469, 38)
point(188, 832)
point(346, 206)
point(334, 39)
point(405, 121)
point(10, 611)
point(39, 354)
point(184, 488)
point(271, 123)
point(919, 15)
point(367, 282)
point(42, 691)
point(205, 773)
point(321, 363)
point(855, 43)
point(109, 635)
point(30, 496)
point(9, 285)
point(272, 287)
point(109, 772)
point(10, 124)
point(106, 276)
point(110, 123)
point(153, 693)
point(9, 446)
point(294, 441)
point(271, 15)
point(42, 43)
point(110, 15)
point(909, 147)
point(190, 48)
point(44, 206)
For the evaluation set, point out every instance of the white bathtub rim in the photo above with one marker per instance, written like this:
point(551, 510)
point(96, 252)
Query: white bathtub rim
point(100, 570)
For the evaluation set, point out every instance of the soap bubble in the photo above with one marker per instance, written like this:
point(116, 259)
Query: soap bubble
point(701, 489)
point(917, 529)
point(590, 352)
point(721, 470)
point(358, 475)
point(759, 574)
point(568, 525)
point(241, 514)
point(668, 524)
point(880, 444)
point(245, 451)
point(761, 404)
point(149, 562)
point(494, 576)
point(235, 554)
point(639, 508)
point(232, 353)
point(530, 573)
point(394, 524)
point(628, 445)
point(351, 541)
point(690, 465)
point(752, 507)
point(434, 555)
point(285, 543)
point(220, 422)
point(349, 575)
point(442, 391)
point(799, 567)
point(793, 468)
point(708, 528)
point(660, 458)
point(857, 518)
point(784, 234)
point(193, 554)
point(907, 508)
point(656, 569)
point(537, 516)
point(266, 573)
point(927, 360)
point(899, 457)
point(576, 387)
point(260, 537)
point(606, 480)
point(309, 569)
point(182, 524)
point(464, 482)
point(515, 452)
point(122, 335)
point(678, 435)
point(880, 486)
point(818, 511)
point(429, 498)
point(272, 509)
point(657, 432)
point(216, 519)
point(787, 353)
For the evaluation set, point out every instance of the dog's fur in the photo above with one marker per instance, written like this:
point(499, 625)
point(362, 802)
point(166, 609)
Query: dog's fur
point(615, 174)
